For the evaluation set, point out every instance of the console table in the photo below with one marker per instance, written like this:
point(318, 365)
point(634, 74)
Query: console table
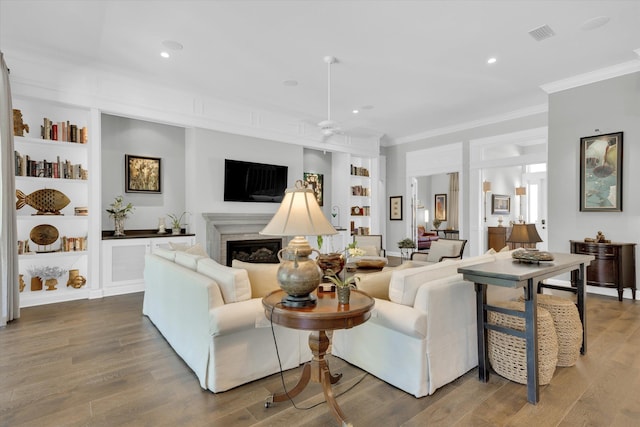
point(515, 274)
point(614, 265)
point(326, 315)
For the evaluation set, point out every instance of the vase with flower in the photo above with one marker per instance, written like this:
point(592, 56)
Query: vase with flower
point(119, 213)
point(329, 263)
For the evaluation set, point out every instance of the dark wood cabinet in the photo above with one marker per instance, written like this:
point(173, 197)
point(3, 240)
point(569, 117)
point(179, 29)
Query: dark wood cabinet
point(614, 266)
point(497, 237)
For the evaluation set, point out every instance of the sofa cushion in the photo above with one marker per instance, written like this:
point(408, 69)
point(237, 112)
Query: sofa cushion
point(262, 277)
point(165, 253)
point(233, 282)
point(404, 284)
point(189, 261)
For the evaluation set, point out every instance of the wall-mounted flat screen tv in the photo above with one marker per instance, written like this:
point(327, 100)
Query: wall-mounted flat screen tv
point(254, 182)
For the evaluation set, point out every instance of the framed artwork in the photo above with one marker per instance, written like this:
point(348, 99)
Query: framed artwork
point(315, 182)
point(395, 208)
point(500, 204)
point(440, 207)
point(601, 173)
point(142, 174)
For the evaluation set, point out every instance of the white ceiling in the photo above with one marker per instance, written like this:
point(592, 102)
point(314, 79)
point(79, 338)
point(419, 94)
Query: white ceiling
point(420, 64)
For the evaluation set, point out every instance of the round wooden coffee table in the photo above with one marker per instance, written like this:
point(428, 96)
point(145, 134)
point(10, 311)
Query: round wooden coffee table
point(326, 315)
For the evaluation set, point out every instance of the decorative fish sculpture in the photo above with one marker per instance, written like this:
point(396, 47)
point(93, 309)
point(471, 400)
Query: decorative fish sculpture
point(46, 201)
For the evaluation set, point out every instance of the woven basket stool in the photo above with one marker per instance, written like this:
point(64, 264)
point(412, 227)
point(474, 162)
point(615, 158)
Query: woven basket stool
point(566, 320)
point(508, 354)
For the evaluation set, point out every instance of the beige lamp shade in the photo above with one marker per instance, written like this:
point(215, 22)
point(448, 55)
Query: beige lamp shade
point(486, 186)
point(524, 233)
point(521, 191)
point(299, 215)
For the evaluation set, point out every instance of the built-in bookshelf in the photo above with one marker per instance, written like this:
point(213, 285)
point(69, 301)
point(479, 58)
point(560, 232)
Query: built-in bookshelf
point(52, 194)
point(360, 212)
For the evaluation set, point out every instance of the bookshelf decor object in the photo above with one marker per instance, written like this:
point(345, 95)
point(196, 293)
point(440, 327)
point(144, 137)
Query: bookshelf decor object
point(52, 161)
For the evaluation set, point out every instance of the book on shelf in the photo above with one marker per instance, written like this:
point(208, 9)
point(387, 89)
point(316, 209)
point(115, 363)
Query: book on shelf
point(63, 131)
point(25, 166)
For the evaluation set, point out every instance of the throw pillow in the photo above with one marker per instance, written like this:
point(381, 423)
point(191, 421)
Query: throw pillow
point(490, 252)
point(263, 278)
point(375, 284)
point(370, 251)
point(233, 282)
point(196, 249)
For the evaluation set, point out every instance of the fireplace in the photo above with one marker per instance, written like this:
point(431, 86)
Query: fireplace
point(257, 251)
point(225, 227)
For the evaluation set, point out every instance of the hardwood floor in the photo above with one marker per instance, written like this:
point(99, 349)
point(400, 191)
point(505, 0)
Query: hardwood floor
point(102, 363)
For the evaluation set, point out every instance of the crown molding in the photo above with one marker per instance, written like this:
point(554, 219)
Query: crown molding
point(49, 79)
point(594, 76)
point(516, 114)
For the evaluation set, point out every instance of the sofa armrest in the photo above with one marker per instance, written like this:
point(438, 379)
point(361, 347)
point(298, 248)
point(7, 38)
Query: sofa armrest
point(237, 316)
point(404, 319)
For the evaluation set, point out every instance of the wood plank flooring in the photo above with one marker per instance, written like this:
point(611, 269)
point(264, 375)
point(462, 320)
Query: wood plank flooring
point(102, 363)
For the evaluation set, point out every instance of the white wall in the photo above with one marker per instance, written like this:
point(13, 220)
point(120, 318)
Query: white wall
point(610, 106)
point(205, 153)
point(122, 136)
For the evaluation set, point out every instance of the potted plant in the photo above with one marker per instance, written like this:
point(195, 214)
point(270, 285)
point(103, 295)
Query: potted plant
point(343, 286)
point(119, 213)
point(405, 245)
point(176, 223)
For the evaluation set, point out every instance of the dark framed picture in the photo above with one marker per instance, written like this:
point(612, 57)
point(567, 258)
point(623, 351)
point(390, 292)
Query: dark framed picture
point(395, 208)
point(440, 207)
point(500, 204)
point(315, 182)
point(142, 174)
point(601, 173)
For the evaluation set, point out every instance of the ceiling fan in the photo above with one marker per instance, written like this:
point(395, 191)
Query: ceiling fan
point(329, 127)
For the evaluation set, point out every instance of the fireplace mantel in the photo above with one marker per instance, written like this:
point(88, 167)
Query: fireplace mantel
point(232, 226)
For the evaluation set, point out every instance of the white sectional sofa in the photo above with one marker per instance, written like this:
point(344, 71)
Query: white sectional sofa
point(212, 316)
point(422, 332)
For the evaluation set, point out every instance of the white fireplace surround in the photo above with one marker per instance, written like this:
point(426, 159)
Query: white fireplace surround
point(222, 227)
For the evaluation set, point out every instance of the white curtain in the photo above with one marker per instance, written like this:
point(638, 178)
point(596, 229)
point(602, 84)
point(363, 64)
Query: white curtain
point(9, 288)
point(454, 203)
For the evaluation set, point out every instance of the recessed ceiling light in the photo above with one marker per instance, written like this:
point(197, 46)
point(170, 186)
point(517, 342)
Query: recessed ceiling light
point(491, 61)
point(172, 45)
point(593, 23)
point(164, 54)
point(290, 83)
point(355, 111)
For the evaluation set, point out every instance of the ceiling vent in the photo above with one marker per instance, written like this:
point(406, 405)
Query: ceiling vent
point(542, 33)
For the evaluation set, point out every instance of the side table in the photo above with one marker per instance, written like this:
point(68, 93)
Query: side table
point(515, 274)
point(326, 315)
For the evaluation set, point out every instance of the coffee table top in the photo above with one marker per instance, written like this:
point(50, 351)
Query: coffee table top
point(327, 314)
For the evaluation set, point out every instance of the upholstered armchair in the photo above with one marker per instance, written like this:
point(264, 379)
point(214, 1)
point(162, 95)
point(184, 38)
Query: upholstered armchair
point(440, 250)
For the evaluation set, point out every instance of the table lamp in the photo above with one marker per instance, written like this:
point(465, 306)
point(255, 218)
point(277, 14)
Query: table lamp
point(299, 215)
point(524, 234)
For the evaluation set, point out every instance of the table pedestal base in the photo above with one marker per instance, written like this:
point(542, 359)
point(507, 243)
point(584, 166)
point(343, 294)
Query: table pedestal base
point(317, 370)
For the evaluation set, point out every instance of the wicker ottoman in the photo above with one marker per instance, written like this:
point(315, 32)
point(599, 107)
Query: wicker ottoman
point(508, 354)
point(566, 320)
